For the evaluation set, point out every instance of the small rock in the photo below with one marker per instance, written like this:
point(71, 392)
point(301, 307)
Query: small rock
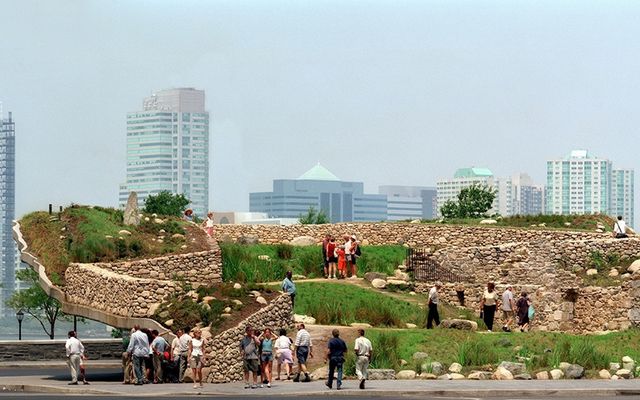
point(406, 374)
point(502, 374)
point(381, 374)
point(124, 232)
point(236, 302)
point(362, 325)
point(261, 300)
point(455, 367)
point(419, 356)
point(237, 286)
point(264, 257)
point(480, 376)
point(168, 323)
point(522, 377)
point(628, 363)
point(542, 375)
point(615, 377)
point(592, 271)
point(158, 221)
point(488, 222)
point(411, 326)
point(635, 266)
point(556, 374)
point(426, 375)
point(445, 377)
point(227, 310)
point(370, 276)
point(624, 373)
point(379, 283)
point(403, 363)
point(574, 371)
point(303, 241)
point(177, 236)
point(614, 366)
point(604, 374)
point(564, 365)
point(321, 373)
point(436, 368)
point(613, 273)
point(461, 324)
point(457, 377)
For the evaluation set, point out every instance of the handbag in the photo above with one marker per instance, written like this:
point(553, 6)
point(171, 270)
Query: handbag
point(531, 312)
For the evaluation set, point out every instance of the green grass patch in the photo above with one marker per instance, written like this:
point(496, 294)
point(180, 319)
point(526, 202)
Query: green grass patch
point(267, 263)
point(568, 222)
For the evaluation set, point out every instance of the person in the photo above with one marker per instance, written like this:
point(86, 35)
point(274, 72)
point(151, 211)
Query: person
point(249, 350)
point(158, 347)
point(173, 365)
point(364, 351)
point(325, 254)
point(335, 356)
point(196, 356)
point(188, 215)
point(433, 306)
point(83, 370)
point(347, 253)
point(148, 361)
point(342, 262)
point(354, 251)
point(332, 257)
point(183, 351)
point(523, 311)
point(508, 308)
point(303, 350)
point(139, 351)
point(266, 354)
point(257, 333)
point(289, 287)
point(488, 305)
point(620, 228)
point(283, 353)
point(75, 352)
point(208, 224)
point(127, 362)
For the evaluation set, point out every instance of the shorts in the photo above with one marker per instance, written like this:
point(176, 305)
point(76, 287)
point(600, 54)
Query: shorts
point(251, 365)
point(302, 353)
point(285, 356)
point(333, 260)
point(354, 259)
point(266, 357)
point(507, 314)
point(195, 362)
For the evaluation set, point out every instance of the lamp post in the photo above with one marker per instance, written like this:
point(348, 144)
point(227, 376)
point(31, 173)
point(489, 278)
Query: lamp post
point(20, 317)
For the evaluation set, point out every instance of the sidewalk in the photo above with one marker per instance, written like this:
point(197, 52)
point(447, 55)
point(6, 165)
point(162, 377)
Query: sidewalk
point(59, 363)
point(564, 388)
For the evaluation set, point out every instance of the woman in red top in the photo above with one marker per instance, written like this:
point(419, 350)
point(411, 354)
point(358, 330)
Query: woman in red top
point(342, 262)
point(331, 258)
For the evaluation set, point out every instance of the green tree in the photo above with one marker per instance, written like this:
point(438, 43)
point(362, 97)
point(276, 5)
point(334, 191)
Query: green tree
point(36, 302)
point(166, 203)
point(313, 217)
point(473, 202)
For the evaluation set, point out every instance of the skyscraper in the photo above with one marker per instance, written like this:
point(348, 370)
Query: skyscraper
point(622, 194)
point(410, 202)
point(448, 189)
point(7, 208)
point(168, 148)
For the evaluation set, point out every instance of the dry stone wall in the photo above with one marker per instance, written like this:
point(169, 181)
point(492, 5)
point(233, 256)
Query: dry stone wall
point(224, 360)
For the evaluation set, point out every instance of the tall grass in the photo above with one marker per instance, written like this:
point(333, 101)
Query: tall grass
point(476, 352)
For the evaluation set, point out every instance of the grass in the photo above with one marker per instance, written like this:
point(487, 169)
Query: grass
point(267, 263)
point(603, 263)
point(575, 222)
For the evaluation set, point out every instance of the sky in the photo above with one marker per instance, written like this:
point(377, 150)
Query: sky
point(384, 92)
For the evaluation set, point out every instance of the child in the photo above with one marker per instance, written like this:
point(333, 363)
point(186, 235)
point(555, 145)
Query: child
point(342, 262)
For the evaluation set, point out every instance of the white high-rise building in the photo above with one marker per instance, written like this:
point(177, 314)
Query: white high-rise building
point(448, 189)
point(7, 209)
point(622, 194)
point(168, 148)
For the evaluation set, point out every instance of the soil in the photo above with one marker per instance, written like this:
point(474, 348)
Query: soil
point(249, 306)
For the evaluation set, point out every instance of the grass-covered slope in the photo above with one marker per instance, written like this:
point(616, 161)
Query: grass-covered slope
point(568, 222)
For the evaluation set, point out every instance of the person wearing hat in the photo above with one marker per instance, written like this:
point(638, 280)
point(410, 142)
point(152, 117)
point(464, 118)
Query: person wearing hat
point(508, 308)
point(433, 306)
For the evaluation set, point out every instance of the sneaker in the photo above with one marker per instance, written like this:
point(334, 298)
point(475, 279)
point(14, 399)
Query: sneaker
point(338, 387)
point(72, 383)
point(504, 329)
point(362, 384)
point(195, 386)
point(253, 386)
point(297, 378)
point(269, 384)
point(85, 382)
point(306, 378)
point(247, 386)
point(327, 385)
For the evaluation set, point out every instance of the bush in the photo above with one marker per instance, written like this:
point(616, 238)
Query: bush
point(284, 251)
point(387, 351)
point(166, 203)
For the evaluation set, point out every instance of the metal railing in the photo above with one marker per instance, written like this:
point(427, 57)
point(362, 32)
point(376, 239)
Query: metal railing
point(425, 268)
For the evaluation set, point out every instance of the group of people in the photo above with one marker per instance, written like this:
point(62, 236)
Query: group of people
point(340, 260)
point(520, 311)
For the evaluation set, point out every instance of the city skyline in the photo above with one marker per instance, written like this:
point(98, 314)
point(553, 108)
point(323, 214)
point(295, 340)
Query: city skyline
point(417, 91)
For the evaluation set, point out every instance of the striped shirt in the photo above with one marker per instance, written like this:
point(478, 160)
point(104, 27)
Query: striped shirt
point(303, 339)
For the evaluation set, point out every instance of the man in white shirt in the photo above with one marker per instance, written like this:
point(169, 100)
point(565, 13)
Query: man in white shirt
point(364, 351)
point(620, 228)
point(303, 349)
point(433, 306)
point(139, 349)
point(75, 352)
point(183, 350)
point(508, 308)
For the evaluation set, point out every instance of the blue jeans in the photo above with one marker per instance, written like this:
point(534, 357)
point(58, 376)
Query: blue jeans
point(333, 365)
point(138, 368)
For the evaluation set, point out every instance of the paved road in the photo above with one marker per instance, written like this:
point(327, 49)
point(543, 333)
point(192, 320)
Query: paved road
point(314, 397)
point(62, 373)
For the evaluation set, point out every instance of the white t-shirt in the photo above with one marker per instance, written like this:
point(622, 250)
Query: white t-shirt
point(183, 343)
point(347, 247)
point(363, 346)
point(175, 345)
point(620, 227)
point(196, 347)
point(283, 342)
point(507, 298)
point(490, 298)
point(209, 223)
point(433, 295)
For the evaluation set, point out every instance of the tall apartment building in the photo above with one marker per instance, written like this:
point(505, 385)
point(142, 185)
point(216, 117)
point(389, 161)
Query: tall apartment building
point(168, 148)
point(622, 194)
point(341, 201)
point(410, 202)
point(7, 209)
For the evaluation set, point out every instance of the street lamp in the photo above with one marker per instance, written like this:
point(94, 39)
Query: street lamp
point(20, 316)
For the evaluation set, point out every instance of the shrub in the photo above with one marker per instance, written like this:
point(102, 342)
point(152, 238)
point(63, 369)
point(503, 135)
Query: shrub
point(166, 203)
point(387, 351)
point(284, 251)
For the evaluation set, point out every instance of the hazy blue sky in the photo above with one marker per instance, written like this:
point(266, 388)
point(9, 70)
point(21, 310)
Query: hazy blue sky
point(387, 92)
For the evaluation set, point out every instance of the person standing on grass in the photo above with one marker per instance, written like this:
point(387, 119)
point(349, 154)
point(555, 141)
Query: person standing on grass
point(183, 350)
point(196, 357)
point(75, 352)
point(342, 262)
point(290, 288)
point(303, 350)
point(266, 354)
point(325, 255)
point(354, 250)
point(523, 311)
point(250, 360)
point(283, 353)
point(508, 308)
point(332, 257)
point(433, 306)
point(139, 351)
point(335, 356)
point(347, 253)
point(488, 305)
point(158, 346)
point(364, 351)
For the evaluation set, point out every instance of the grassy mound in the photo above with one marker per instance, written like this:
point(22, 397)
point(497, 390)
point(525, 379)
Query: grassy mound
point(568, 222)
point(93, 234)
point(267, 263)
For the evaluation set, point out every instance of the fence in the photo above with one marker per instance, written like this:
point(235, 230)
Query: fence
point(425, 268)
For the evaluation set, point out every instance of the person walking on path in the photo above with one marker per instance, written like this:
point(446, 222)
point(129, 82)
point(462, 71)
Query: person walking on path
point(250, 360)
point(283, 353)
point(75, 352)
point(139, 350)
point(364, 351)
point(335, 356)
point(332, 257)
point(325, 255)
point(488, 305)
point(433, 306)
point(290, 288)
point(508, 308)
point(620, 228)
point(196, 357)
point(208, 224)
point(266, 354)
point(303, 350)
point(158, 346)
point(183, 350)
point(523, 311)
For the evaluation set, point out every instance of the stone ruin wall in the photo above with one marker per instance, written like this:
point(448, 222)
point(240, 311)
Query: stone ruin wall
point(224, 360)
point(537, 261)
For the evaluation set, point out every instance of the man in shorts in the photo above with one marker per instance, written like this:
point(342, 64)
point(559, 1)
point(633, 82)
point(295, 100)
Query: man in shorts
point(508, 308)
point(303, 350)
point(249, 346)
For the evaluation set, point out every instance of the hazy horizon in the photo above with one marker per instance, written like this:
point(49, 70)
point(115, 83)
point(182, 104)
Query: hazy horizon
point(382, 92)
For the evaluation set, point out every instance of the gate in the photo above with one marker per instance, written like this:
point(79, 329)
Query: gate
point(426, 268)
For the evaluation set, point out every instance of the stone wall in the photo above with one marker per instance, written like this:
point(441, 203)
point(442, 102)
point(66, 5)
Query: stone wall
point(224, 360)
point(201, 267)
point(39, 350)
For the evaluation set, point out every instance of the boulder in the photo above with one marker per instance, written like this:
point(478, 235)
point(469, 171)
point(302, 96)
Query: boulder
point(426, 375)
point(370, 276)
point(563, 366)
point(248, 239)
point(513, 367)
point(592, 271)
point(436, 368)
point(502, 374)
point(480, 376)
point(304, 319)
point(614, 366)
point(574, 371)
point(461, 324)
point(419, 356)
point(488, 222)
point(624, 373)
point(131, 212)
point(628, 363)
point(303, 241)
point(522, 377)
point(381, 374)
point(556, 374)
point(237, 286)
point(445, 377)
point(455, 368)
point(542, 375)
point(379, 283)
point(406, 374)
point(403, 276)
point(604, 374)
point(635, 266)
point(457, 377)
